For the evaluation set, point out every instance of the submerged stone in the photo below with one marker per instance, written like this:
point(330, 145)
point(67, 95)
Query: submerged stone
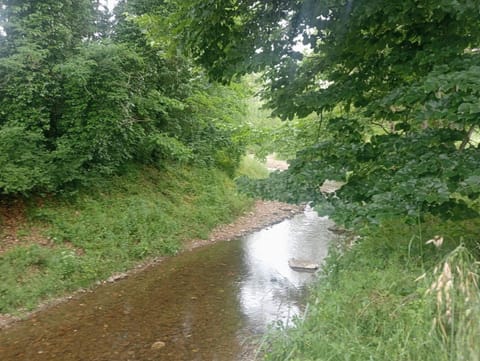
point(158, 345)
point(302, 265)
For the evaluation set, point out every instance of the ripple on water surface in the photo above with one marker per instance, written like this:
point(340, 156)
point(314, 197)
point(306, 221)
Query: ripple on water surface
point(208, 304)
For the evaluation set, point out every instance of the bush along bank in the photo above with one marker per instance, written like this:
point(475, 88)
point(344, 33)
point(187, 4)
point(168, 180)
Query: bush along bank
point(71, 242)
point(400, 293)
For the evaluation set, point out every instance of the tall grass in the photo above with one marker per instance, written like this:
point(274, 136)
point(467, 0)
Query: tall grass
point(111, 227)
point(252, 168)
point(392, 297)
point(455, 297)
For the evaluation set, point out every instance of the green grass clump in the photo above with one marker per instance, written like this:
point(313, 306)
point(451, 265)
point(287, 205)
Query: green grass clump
point(252, 168)
point(392, 297)
point(113, 226)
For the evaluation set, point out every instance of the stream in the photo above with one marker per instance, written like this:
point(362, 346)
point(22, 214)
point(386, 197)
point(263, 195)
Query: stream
point(212, 304)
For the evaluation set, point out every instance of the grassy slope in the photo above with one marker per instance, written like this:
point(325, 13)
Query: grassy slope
point(373, 304)
point(112, 227)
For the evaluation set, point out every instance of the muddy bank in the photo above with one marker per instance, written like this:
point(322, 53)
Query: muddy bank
point(263, 214)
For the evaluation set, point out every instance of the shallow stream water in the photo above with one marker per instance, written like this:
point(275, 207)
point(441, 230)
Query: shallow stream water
point(211, 304)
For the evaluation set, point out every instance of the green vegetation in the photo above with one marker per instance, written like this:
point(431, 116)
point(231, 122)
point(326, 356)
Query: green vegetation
point(385, 97)
point(393, 101)
point(83, 96)
point(112, 226)
point(392, 297)
point(268, 134)
point(252, 168)
point(119, 146)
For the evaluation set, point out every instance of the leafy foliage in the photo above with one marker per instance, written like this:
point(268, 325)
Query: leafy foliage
point(233, 37)
point(399, 83)
point(22, 171)
point(391, 174)
point(81, 97)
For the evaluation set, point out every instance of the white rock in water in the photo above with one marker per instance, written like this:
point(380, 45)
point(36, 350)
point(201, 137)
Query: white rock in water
point(302, 265)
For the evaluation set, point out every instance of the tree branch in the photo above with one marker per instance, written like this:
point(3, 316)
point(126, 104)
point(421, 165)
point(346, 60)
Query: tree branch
point(466, 140)
point(388, 131)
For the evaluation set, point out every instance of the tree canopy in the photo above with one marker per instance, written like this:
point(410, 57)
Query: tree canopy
point(391, 89)
point(83, 93)
point(395, 86)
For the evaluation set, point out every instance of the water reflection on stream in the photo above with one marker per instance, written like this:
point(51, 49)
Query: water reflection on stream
point(209, 304)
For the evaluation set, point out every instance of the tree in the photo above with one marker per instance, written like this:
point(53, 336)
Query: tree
point(398, 83)
point(186, 117)
point(37, 36)
point(81, 98)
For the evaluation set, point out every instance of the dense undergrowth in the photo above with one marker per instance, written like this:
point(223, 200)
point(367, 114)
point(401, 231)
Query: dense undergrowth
point(112, 226)
point(393, 297)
